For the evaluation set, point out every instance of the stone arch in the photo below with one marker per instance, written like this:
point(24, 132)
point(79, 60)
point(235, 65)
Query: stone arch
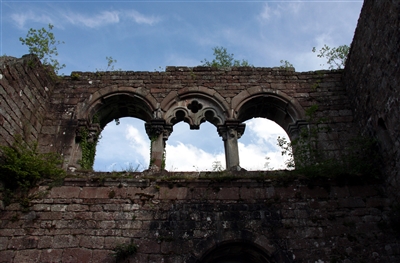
point(195, 105)
point(271, 104)
point(108, 104)
point(238, 251)
point(102, 107)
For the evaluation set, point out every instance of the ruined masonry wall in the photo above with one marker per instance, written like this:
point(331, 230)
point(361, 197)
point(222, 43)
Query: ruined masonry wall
point(180, 221)
point(323, 88)
point(372, 80)
point(25, 88)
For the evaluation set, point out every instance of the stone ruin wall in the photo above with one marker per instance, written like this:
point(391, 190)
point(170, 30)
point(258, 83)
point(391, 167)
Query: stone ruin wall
point(193, 221)
point(25, 92)
point(187, 220)
point(323, 88)
point(372, 80)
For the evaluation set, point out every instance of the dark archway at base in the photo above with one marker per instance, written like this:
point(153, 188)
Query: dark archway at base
point(236, 252)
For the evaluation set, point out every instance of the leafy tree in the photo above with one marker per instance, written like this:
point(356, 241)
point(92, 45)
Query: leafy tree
point(224, 60)
point(336, 56)
point(42, 43)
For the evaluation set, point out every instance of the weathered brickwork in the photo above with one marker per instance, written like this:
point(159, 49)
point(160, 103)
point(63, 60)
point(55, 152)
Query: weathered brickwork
point(372, 79)
point(24, 98)
point(280, 95)
point(186, 220)
point(204, 220)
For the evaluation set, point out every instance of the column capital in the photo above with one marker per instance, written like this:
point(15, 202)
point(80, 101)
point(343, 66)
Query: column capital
point(231, 128)
point(156, 127)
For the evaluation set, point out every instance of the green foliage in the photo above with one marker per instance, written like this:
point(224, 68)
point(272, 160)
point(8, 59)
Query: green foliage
point(88, 147)
point(43, 44)
point(75, 76)
point(22, 166)
point(164, 159)
point(360, 157)
point(131, 169)
point(286, 65)
point(110, 65)
point(224, 60)
point(336, 56)
point(123, 251)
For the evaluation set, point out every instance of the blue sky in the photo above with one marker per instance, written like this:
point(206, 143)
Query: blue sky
point(150, 35)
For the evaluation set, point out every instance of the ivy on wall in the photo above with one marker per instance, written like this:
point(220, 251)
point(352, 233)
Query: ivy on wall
point(88, 143)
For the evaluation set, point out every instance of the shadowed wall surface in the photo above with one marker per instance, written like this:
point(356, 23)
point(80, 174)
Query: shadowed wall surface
point(207, 217)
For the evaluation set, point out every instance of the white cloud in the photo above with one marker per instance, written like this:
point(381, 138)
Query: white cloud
point(181, 157)
point(138, 142)
point(267, 13)
point(101, 19)
point(22, 18)
point(261, 143)
point(142, 19)
point(89, 20)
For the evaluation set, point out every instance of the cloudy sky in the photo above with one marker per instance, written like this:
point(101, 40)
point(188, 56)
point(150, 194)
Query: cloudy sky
point(150, 35)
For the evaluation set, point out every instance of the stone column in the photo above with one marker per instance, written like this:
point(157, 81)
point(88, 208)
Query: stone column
point(158, 132)
point(230, 132)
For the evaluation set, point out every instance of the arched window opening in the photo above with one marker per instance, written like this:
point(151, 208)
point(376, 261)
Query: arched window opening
point(194, 150)
point(258, 146)
point(123, 146)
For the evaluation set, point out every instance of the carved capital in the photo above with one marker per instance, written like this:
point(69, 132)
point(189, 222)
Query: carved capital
point(156, 127)
point(231, 129)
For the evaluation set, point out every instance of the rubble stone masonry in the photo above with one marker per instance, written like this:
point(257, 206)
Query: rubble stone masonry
point(230, 216)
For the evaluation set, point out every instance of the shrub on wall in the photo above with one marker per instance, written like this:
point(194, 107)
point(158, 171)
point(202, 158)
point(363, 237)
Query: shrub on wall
point(22, 166)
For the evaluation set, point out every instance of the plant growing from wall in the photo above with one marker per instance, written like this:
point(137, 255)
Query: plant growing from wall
point(223, 60)
point(43, 44)
point(286, 65)
point(22, 166)
point(360, 157)
point(336, 56)
point(88, 145)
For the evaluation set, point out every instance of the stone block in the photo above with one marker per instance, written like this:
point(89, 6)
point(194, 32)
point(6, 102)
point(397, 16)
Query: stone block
point(7, 256)
point(73, 255)
point(65, 241)
point(351, 202)
point(3, 243)
point(51, 255)
point(95, 192)
point(252, 193)
point(45, 242)
point(77, 208)
point(111, 242)
point(27, 256)
point(102, 256)
point(228, 193)
point(91, 242)
point(173, 193)
point(65, 192)
point(23, 242)
point(148, 246)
